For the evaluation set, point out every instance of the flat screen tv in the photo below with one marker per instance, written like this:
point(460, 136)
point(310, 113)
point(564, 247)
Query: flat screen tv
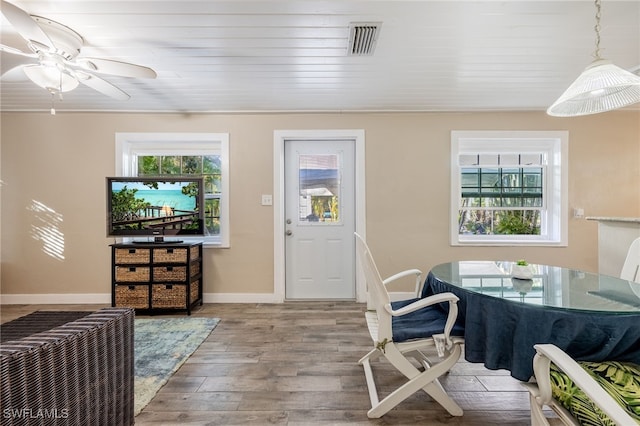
point(155, 207)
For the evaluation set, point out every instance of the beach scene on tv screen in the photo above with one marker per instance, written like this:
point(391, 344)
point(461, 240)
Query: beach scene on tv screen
point(162, 207)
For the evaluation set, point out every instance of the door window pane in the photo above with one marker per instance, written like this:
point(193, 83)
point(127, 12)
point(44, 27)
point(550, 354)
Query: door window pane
point(319, 182)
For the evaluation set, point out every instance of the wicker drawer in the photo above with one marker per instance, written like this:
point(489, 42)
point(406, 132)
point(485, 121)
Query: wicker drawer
point(194, 293)
point(194, 269)
point(129, 274)
point(169, 296)
point(195, 252)
point(132, 255)
point(170, 255)
point(132, 296)
point(170, 273)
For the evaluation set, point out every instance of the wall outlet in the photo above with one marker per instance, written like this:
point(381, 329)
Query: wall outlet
point(267, 200)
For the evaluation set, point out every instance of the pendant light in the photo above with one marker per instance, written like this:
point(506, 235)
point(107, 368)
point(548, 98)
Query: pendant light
point(601, 87)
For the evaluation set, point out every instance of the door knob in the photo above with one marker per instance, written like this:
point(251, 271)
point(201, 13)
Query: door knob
point(289, 232)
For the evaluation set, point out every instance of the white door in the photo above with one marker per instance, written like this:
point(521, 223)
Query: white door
point(319, 184)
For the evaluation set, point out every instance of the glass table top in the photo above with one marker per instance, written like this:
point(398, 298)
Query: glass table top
point(550, 286)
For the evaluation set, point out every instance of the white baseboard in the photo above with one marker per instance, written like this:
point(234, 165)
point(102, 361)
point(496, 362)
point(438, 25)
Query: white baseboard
point(240, 298)
point(105, 298)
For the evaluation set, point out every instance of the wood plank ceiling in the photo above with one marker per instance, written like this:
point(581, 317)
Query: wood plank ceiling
point(293, 55)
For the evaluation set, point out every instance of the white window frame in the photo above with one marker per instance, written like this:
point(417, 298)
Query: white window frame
point(555, 147)
point(131, 145)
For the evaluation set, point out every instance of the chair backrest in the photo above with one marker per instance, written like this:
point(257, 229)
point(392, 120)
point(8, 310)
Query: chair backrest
point(371, 273)
point(631, 268)
point(377, 290)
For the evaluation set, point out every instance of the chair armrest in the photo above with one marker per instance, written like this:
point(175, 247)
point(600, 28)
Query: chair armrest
point(547, 353)
point(435, 299)
point(408, 272)
point(422, 303)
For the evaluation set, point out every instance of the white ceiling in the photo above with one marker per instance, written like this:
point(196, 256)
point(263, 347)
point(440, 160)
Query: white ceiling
point(292, 55)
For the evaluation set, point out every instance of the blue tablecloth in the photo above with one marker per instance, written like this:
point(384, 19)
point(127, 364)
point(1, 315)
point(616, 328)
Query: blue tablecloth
point(501, 333)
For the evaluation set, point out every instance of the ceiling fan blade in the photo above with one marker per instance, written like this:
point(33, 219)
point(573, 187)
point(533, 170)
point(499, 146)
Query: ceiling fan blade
point(14, 51)
point(108, 66)
point(102, 86)
point(25, 25)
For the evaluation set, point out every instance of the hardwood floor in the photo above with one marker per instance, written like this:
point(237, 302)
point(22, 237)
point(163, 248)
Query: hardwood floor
point(297, 364)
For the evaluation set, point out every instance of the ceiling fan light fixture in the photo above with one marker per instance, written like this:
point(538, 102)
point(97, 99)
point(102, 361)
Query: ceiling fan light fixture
point(51, 78)
point(56, 48)
point(601, 87)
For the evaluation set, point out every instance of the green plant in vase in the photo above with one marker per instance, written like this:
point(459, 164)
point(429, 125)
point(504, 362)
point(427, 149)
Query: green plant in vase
point(522, 270)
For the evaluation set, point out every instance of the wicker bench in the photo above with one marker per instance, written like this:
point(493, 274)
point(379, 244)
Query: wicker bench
point(79, 373)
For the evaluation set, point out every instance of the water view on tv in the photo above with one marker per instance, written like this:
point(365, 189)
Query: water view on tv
point(155, 207)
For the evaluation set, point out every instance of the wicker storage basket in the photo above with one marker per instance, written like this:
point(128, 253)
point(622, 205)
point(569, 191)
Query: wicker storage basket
point(133, 255)
point(169, 296)
point(195, 252)
point(168, 255)
point(132, 296)
point(194, 269)
point(193, 296)
point(170, 273)
point(132, 274)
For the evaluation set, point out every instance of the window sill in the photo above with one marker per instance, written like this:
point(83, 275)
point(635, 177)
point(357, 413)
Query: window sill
point(508, 243)
point(215, 246)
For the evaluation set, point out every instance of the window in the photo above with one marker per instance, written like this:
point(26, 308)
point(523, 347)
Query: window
point(509, 188)
point(201, 154)
point(320, 187)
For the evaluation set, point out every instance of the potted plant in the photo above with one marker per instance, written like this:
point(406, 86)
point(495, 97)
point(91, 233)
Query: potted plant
point(522, 270)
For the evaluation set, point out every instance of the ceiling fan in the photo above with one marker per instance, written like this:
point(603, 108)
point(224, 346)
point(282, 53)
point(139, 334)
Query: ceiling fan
point(55, 50)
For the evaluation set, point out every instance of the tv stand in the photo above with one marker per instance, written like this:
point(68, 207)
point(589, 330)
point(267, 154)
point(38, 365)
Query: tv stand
point(156, 276)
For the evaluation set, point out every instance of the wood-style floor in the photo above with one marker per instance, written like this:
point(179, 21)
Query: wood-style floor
point(297, 364)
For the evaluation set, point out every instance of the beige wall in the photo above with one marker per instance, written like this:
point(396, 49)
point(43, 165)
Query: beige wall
point(53, 190)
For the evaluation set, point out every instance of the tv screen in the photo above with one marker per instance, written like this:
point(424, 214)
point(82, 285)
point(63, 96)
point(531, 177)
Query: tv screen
point(155, 206)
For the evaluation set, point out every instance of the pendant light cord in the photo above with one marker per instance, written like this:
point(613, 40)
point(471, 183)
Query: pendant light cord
point(596, 54)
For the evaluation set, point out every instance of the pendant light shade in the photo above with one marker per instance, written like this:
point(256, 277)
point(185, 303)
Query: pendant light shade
point(601, 87)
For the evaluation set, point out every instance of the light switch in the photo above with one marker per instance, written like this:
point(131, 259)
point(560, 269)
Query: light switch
point(267, 199)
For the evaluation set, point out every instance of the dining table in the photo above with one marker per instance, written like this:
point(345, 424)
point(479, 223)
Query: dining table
point(590, 316)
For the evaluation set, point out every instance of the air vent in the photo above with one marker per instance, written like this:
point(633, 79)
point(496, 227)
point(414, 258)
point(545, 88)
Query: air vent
point(363, 37)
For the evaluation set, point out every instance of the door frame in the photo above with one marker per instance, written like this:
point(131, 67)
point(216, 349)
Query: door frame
point(279, 138)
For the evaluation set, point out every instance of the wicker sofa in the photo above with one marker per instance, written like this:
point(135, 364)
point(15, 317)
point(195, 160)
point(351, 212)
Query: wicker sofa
point(79, 373)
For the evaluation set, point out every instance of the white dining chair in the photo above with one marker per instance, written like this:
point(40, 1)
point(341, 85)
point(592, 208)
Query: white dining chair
point(409, 329)
point(631, 268)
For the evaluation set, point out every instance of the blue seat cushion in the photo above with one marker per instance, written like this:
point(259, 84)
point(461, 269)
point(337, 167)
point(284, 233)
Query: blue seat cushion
point(422, 323)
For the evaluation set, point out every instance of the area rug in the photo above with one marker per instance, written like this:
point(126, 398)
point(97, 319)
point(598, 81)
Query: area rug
point(161, 346)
